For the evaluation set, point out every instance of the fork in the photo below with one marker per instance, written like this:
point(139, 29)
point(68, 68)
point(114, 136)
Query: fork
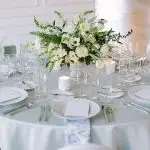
point(48, 108)
point(42, 112)
point(110, 112)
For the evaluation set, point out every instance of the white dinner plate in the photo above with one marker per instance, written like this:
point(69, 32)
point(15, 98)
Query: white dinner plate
point(130, 78)
point(23, 95)
point(132, 94)
point(116, 93)
point(28, 85)
point(60, 108)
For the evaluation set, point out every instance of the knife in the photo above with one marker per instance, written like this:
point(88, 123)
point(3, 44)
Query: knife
point(27, 106)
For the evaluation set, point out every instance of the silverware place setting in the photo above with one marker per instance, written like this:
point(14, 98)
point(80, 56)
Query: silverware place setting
point(19, 109)
point(108, 114)
point(44, 113)
point(130, 103)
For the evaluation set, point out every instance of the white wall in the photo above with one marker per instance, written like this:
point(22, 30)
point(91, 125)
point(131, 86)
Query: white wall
point(16, 16)
point(126, 14)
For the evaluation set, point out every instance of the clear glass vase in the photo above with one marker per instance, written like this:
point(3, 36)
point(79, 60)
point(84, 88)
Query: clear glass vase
point(76, 70)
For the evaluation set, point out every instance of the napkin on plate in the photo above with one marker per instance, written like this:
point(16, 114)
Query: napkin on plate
point(143, 94)
point(77, 109)
point(7, 94)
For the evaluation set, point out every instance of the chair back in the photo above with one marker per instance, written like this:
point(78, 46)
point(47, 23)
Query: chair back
point(9, 45)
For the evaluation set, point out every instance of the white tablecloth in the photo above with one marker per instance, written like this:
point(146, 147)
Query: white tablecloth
point(129, 131)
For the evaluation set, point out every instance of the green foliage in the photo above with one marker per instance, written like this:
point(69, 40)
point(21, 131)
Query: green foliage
point(88, 32)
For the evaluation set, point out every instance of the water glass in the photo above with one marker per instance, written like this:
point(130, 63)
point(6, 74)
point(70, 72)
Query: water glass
point(4, 72)
point(40, 79)
point(6, 67)
point(82, 81)
point(134, 69)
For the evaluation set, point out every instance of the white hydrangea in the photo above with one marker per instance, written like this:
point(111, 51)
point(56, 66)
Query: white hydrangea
point(65, 38)
point(99, 64)
point(81, 51)
point(105, 49)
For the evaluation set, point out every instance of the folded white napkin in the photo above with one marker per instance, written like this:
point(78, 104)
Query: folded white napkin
point(77, 109)
point(144, 94)
point(7, 94)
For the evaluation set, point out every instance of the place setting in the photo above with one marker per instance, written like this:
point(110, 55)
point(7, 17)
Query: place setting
point(12, 95)
point(140, 94)
point(76, 109)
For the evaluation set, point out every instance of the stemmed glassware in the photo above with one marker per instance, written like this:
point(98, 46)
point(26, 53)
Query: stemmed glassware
point(81, 80)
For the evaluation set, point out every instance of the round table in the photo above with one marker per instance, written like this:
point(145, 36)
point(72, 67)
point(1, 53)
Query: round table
point(130, 129)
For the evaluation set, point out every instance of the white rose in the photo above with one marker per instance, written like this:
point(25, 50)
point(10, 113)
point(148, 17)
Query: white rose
point(70, 46)
point(61, 52)
point(81, 51)
point(104, 49)
point(97, 46)
point(65, 38)
point(91, 38)
point(54, 58)
point(74, 41)
point(73, 56)
point(67, 59)
point(75, 59)
point(99, 64)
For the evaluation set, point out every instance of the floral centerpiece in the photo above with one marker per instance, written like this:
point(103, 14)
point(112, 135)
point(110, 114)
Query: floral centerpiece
point(87, 41)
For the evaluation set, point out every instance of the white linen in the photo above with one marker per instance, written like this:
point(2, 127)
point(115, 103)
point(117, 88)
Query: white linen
point(86, 147)
point(77, 109)
point(21, 136)
point(7, 94)
point(144, 94)
point(129, 131)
